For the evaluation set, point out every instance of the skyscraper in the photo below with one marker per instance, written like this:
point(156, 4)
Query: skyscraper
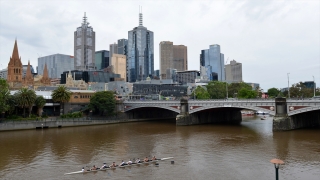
point(123, 46)
point(102, 59)
point(140, 58)
point(56, 64)
point(113, 49)
point(213, 60)
point(172, 57)
point(84, 46)
point(233, 72)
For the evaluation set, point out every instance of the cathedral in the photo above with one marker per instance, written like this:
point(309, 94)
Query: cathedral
point(15, 71)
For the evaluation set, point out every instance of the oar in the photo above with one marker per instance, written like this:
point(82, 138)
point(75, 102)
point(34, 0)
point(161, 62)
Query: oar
point(166, 158)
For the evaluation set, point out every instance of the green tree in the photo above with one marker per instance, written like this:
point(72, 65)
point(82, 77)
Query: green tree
point(11, 102)
point(245, 93)
point(201, 93)
point(25, 98)
point(103, 102)
point(234, 88)
point(299, 90)
point(61, 95)
point(40, 102)
point(273, 92)
point(217, 89)
point(4, 94)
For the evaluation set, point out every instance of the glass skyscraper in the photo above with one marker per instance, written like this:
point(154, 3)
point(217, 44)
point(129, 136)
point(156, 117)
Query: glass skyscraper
point(84, 46)
point(213, 60)
point(122, 46)
point(140, 58)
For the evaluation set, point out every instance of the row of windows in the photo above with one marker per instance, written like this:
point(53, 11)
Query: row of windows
point(83, 97)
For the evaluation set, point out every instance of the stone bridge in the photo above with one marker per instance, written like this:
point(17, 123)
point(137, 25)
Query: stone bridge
point(188, 112)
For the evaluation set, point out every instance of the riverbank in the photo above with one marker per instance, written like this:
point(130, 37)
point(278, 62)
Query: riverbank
point(59, 123)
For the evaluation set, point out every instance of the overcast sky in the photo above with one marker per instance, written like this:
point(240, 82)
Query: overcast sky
point(269, 38)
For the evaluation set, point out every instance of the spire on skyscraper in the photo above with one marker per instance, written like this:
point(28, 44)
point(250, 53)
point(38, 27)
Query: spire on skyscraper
point(140, 17)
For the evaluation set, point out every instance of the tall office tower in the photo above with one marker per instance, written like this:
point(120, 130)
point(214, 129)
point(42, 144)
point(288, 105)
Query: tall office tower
point(84, 46)
point(123, 46)
point(166, 58)
point(172, 57)
point(233, 72)
point(213, 60)
point(119, 65)
point(56, 64)
point(113, 49)
point(102, 59)
point(140, 58)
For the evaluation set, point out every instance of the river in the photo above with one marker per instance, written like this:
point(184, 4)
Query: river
point(200, 152)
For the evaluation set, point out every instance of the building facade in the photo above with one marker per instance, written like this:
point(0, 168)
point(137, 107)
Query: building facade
point(172, 57)
point(233, 72)
point(119, 65)
point(123, 46)
point(113, 49)
point(213, 60)
point(102, 59)
point(140, 59)
point(56, 64)
point(185, 77)
point(89, 76)
point(84, 46)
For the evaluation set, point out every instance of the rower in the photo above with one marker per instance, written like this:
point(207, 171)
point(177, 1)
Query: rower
point(129, 162)
point(104, 166)
point(154, 158)
point(93, 168)
point(138, 161)
point(123, 163)
point(146, 159)
point(113, 165)
point(82, 169)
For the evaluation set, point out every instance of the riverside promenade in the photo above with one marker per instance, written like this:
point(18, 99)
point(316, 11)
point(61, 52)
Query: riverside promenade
point(56, 122)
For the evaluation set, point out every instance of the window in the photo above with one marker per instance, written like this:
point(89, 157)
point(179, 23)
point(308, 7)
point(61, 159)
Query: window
point(76, 97)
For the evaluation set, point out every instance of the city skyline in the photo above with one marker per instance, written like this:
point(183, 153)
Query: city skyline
point(269, 38)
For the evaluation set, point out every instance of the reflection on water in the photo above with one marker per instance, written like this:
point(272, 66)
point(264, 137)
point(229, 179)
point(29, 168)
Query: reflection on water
point(201, 152)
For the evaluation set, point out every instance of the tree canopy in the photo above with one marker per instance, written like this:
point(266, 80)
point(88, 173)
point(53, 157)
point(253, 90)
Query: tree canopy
point(247, 94)
point(103, 102)
point(201, 93)
point(217, 90)
point(25, 98)
point(273, 92)
point(4, 94)
point(62, 95)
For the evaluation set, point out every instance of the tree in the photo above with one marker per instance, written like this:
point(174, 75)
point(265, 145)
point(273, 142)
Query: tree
point(61, 95)
point(273, 92)
point(217, 89)
point(247, 94)
point(11, 102)
point(103, 102)
point(25, 98)
point(300, 90)
point(40, 102)
point(234, 88)
point(201, 93)
point(4, 94)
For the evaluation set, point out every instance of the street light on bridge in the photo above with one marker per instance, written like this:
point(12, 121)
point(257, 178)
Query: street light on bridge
point(288, 86)
point(314, 87)
point(277, 163)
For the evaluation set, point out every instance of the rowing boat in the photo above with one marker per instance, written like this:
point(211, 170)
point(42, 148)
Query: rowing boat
point(127, 165)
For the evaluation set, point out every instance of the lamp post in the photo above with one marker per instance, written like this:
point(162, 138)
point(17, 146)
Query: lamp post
point(314, 87)
point(277, 163)
point(288, 86)
point(227, 89)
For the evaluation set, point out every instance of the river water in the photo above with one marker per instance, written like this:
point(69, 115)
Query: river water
point(200, 152)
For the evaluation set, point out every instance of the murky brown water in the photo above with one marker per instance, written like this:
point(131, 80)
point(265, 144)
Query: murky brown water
point(200, 152)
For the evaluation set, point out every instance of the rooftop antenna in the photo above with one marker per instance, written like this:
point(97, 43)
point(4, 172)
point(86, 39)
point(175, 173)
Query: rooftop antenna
point(140, 17)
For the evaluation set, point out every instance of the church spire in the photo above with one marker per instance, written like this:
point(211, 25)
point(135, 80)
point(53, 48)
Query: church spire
point(45, 78)
point(15, 53)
